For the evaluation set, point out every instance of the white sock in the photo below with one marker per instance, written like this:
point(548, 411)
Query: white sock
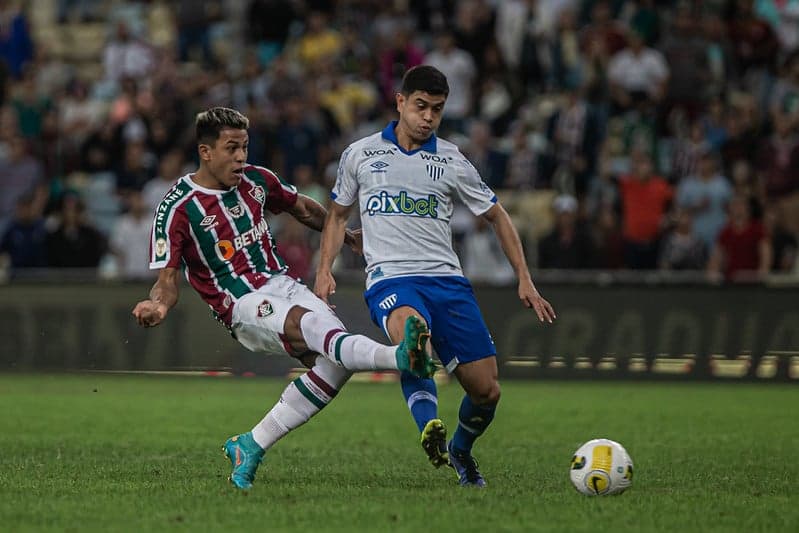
point(325, 335)
point(301, 399)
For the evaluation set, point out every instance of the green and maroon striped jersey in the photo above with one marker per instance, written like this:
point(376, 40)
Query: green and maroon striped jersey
point(221, 238)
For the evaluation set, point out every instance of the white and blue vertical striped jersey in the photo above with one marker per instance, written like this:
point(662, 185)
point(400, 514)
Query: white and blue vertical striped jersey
point(406, 201)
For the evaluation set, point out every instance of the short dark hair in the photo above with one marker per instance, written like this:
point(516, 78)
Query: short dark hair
point(424, 78)
point(212, 121)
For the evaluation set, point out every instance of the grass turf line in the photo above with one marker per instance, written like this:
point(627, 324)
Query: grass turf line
point(133, 453)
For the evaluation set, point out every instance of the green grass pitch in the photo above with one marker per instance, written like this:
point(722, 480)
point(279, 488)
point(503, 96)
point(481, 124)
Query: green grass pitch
point(142, 453)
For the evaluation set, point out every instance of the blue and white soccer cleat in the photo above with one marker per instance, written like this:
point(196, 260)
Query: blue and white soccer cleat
point(245, 455)
point(466, 467)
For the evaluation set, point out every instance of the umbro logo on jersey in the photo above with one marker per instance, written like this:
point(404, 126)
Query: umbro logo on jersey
point(435, 171)
point(379, 166)
point(209, 222)
point(388, 302)
point(235, 211)
point(258, 193)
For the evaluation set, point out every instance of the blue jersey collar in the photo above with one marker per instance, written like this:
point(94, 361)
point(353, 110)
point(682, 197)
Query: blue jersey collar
point(430, 145)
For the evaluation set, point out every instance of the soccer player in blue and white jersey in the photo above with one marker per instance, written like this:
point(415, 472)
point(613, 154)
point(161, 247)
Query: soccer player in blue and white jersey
point(405, 180)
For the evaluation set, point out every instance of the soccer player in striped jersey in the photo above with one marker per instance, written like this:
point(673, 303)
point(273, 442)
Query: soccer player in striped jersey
point(212, 225)
point(405, 180)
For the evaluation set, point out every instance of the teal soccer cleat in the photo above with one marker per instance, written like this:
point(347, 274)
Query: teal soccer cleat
point(245, 455)
point(412, 352)
point(466, 467)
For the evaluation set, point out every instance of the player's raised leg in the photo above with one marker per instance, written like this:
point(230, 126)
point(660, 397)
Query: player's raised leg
point(322, 332)
point(301, 400)
point(479, 380)
point(421, 396)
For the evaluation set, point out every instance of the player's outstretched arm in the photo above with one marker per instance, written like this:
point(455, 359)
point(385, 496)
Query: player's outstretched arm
point(332, 238)
point(512, 246)
point(312, 214)
point(163, 296)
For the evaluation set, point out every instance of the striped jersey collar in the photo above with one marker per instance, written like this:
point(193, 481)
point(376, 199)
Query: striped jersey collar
point(197, 187)
point(430, 145)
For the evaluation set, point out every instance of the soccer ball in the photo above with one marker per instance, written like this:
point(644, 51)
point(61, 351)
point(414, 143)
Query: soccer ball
point(601, 467)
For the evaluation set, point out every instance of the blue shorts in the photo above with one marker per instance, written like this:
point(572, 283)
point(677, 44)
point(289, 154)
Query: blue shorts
point(447, 303)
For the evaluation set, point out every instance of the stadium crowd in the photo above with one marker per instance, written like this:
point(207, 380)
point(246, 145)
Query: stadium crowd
point(621, 134)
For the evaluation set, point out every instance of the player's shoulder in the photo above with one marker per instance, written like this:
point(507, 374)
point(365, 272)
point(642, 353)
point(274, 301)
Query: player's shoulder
point(448, 148)
point(176, 195)
point(368, 146)
point(259, 172)
point(450, 151)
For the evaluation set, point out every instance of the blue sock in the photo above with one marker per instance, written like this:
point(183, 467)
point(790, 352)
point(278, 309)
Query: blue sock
point(420, 393)
point(472, 422)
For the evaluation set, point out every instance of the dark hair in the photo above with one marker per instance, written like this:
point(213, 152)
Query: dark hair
point(424, 78)
point(209, 123)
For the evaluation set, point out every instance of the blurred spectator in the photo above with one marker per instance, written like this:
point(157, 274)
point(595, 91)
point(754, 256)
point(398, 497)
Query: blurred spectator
point(305, 181)
point(569, 245)
point(298, 142)
point(473, 28)
point(193, 21)
point(602, 35)
point(784, 243)
point(459, 68)
point(603, 192)
point(566, 64)
point(483, 259)
point(269, 22)
point(645, 198)
point(399, 55)
point(491, 163)
point(136, 168)
point(519, 33)
point(79, 115)
point(522, 168)
point(169, 170)
point(608, 239)
point(574, 134)
point(754, 42)
point(20, 175)
point(130, 239)
point(705, 196)
point(319, 42)
point(682, 249)
point(16, 43)
point(743, 135)
point(294, 247)
point(719, 50)
point(126, 56)
point(85, 10)
point(74, 243)
point(684, 49)
point(743, 247)
point(778, 164)
point(24, 240)
point(30, 106)
point(637, 73)
point(102, 149)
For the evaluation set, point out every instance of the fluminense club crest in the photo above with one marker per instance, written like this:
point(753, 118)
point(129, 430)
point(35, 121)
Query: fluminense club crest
point(258, 193)
point(265, 309)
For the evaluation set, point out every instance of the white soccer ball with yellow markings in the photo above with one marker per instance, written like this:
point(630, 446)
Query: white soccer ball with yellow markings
point(601, 467)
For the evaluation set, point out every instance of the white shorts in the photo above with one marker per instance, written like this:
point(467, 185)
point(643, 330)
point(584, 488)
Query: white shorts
point(259, 317)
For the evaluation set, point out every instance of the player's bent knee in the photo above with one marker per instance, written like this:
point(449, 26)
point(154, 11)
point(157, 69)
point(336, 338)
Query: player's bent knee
point(486, 393)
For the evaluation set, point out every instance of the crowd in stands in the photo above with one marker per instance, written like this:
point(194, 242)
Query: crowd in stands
point(620, 134)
